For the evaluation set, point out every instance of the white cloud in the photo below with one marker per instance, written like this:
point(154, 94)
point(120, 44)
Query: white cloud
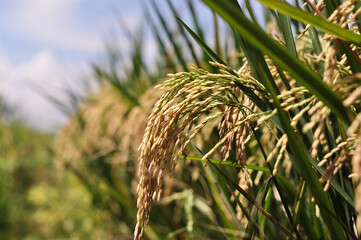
point(51, 26)
point(19, 86)
point(54, 22)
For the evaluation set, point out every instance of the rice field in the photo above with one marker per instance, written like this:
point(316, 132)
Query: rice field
point(250, 131)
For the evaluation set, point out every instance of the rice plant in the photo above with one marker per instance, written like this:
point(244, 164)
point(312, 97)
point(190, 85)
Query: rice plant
point(284, 161)
point(100, 142)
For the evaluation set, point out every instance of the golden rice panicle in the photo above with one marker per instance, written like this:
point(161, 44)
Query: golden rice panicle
point(245, 182)
point(356, 176)
point(343, 153)
point(344, 16)
point(224, 126)
point(231, 117)
point(176, 120)
point(78, 140)
point(355, 130)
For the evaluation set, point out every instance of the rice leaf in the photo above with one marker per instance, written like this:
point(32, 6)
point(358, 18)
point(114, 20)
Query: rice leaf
point(315, 21)
point(170, 36)
point(306, 77)
point(285, 26)
point(181, 30)
point(301, 160)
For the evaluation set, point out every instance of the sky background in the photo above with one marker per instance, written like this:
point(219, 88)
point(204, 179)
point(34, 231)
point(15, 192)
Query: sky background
point(50, 44)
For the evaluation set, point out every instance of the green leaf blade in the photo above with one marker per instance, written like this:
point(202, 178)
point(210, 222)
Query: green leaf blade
point(258, 38)
point(314, 21)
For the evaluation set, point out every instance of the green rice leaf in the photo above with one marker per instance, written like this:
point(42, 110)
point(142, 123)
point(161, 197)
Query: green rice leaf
point(261, 40)
point(315, 21)
point(170, 36)
point(285, 26)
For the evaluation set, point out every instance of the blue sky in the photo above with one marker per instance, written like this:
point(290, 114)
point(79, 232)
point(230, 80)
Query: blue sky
point(51, 43)
point(71, 28)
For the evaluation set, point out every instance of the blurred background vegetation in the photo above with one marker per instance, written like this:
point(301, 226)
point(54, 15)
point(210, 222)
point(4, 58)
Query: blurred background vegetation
point(79, 182)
